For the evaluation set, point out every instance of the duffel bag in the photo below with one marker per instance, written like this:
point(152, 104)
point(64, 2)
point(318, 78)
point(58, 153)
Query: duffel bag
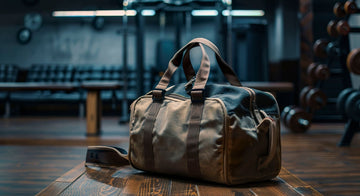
point(224, 133)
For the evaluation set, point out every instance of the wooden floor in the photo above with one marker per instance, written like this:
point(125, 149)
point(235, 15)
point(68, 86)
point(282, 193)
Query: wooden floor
point(36, 151)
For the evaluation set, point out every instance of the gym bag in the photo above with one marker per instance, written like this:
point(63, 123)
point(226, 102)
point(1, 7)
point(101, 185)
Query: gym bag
point(224, 133)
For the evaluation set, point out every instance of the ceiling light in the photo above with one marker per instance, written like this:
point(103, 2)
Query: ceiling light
point(204, 12)
point(93, 13)
point(243, 13)
point(148, 12)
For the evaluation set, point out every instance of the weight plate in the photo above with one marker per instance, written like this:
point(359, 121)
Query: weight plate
point(285, 112)
point(322, 72)
point(331, 28)
point(352, 106)
point(353, 61)
point(320, 47)
point(303, 94)
point(311, 72)
point(316, 99)
point(338, 9)
point(331, 49)
point(343, 27)
point(23, 36)
point(33, 21)
point(341, 99)
point(350, 7)
point(298, 120)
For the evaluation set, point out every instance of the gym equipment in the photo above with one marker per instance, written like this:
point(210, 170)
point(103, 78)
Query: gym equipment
point(350, 7)
point(33, 21)
point(348, 104)
point(341, 99)
point(296, 119)
point(343, 28)
point(339, 10)
point(302, 96)
point(312, 98)
point(316, 99)
point(23, 36)
point(323, 48)
point(352, 106)
point(318, 72)
point(353, 61)
point(331, 28)
point(320, 47)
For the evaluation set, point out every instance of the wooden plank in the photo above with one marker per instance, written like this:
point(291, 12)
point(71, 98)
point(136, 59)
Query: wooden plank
point(275, 187)
point(73, 174)
point(215, 189)
point(134, 179)
point(180, 188)
point(270, 86)
point(34, 86)
point(63, 182)
point(101, 85)
point(25, 168)
point(54, 188)
point(93, 113)
point(155, 186)
point(96, 182)
point(128, 181)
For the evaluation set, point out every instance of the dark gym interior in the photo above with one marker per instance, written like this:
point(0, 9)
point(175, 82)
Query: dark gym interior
point(69, 71)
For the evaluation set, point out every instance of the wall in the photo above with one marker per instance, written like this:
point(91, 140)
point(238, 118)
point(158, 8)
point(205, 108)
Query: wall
point(74, 41)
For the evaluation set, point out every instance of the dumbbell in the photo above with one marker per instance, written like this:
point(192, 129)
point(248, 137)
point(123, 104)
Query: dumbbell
point(352, 106)
point(323, 48)
point(339, 9)
point(353, 61)
point(350, 7)
point(348, 103)
point(317, 71)
point(343, 28)
point(312, 98)
point(331, 28)
point(296, 119)
point(341, 100)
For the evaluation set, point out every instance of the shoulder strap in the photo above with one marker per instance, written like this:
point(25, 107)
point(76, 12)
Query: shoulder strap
point(106, 156)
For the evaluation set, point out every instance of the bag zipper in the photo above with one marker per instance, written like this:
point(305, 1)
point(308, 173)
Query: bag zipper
point(253, 105)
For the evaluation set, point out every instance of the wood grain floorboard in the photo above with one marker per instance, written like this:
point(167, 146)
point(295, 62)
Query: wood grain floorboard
point(35, 151)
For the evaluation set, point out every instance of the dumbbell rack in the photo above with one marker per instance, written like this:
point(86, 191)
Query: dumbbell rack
point(348, 101)
point(338, 55)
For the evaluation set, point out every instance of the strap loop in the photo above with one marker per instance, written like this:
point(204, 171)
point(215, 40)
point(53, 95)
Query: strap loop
point(158, 94)
point(197, 95)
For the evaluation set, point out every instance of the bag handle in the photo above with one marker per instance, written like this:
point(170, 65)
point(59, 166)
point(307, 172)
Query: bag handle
point(225, 68)
point(175, 61)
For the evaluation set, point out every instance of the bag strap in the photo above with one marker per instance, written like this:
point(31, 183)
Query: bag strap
point(175, 62)
point(225, 68)
point(106, 156)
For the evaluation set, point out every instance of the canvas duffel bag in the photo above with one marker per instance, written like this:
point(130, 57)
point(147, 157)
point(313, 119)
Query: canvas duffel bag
point(225, 133)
